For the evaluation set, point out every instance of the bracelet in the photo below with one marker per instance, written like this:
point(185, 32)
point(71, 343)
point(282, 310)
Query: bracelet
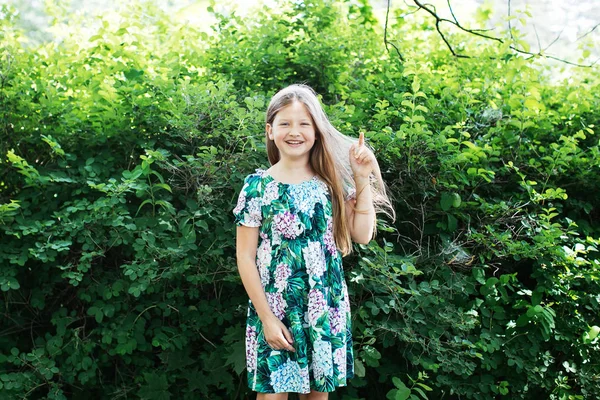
point(366, 211)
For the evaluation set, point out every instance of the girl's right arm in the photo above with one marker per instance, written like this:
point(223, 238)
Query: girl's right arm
point(276, 333)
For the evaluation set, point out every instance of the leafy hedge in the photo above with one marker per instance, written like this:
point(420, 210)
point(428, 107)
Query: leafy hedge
point(122, 154)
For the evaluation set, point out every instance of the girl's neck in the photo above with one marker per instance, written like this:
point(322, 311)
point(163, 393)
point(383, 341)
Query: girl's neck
point(293, 168)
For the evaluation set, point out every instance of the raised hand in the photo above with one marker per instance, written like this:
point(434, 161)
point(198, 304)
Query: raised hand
point(362, 160)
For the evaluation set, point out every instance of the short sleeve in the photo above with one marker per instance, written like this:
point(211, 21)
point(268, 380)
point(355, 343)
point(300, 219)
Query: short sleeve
point(248, 211)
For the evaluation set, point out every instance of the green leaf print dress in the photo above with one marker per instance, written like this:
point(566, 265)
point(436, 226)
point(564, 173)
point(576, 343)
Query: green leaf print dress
point(301, 273)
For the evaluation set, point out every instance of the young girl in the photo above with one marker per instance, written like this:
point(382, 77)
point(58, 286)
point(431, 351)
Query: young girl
point(295, 221)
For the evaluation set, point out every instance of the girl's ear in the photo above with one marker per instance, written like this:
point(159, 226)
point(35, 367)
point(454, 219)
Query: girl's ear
point(269, 128)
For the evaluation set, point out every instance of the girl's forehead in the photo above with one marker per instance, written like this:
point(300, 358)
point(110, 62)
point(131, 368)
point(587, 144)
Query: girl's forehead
point(295, 109)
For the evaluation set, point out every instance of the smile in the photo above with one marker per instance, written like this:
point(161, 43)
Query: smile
point(294, 143)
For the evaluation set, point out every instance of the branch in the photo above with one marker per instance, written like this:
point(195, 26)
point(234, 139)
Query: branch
point(387, 13)
point(588, 32)
point(479, 32)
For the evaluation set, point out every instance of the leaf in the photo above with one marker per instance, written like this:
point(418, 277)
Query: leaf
point(359, 368)
point(156, 387)
point(162, 186)
point(416, 85)
point(533, 311)
point(590, 335)
point(446, 201)
point(397, 382)
point(237, 358)
point(452, 223)
point(424, 386)
point(536, 298)
point(403, 392)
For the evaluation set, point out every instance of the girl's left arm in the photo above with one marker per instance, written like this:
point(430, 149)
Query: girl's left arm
point(360, 212)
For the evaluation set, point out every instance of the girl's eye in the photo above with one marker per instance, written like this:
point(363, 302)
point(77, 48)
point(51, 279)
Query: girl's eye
point(283, 123)
point(305, 123)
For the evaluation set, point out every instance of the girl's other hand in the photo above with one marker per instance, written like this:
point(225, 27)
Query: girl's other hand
point(277, 335)
point(362, 160)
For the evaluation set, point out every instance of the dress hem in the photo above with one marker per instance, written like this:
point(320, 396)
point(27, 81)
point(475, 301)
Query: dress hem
point(327, 391)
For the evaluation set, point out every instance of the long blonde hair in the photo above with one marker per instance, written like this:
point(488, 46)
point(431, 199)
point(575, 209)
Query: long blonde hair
point(329, 158)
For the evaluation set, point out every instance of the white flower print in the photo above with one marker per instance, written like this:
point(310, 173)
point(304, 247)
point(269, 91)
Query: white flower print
point(254, 216)
point(305, 376)
point(317, 306)
point(287, 378)
point(263, 261)
point(271, 192)
point(277, 304)
point(344, 301)
point(314, 259)
point(304, 198)
point(321, 359)
point(339, 359)
point(241, 201)
point(282, 273)
point(275, 237)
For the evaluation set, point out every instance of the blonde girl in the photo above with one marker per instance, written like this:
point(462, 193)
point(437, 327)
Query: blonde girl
point(295, 221)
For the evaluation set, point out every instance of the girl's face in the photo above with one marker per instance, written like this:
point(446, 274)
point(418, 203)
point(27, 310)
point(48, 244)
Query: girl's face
point(293, 131)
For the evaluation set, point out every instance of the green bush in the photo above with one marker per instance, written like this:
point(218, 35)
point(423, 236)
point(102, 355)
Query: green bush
point(122, 155)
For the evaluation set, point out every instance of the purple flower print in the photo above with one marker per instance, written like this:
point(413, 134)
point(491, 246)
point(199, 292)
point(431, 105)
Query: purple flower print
point(337, 320)
point(328, 238)
point(251, 347)
point(288, 225)
point(277, 304)
point(316, 306)
point(282, 273)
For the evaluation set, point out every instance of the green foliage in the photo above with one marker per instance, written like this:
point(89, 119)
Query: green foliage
point(122, 154)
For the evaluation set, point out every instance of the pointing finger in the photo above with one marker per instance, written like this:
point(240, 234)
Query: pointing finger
point(361, 139)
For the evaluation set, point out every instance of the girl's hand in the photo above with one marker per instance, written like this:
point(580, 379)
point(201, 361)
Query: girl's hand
point(278, 337)
point(362, 160)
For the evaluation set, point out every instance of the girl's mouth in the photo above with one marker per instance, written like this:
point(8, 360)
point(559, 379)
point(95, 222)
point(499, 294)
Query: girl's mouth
point(294, 143)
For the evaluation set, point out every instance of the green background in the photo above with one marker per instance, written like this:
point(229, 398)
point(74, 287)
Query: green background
point(123, 150)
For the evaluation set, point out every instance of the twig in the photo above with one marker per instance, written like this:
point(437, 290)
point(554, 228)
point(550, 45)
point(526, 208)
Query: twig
point(387, 13)
point(478, 32)
point(588, 32)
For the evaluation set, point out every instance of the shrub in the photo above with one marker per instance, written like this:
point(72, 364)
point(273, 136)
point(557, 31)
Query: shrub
point(123, 154)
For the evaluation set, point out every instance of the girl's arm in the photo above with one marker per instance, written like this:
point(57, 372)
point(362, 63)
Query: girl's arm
point(246, 244)
point(276, 334)
point(360, 212)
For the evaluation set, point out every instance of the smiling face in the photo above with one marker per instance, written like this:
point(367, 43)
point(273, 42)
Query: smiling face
point(293, 131)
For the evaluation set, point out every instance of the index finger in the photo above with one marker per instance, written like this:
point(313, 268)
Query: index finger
point(361, 139)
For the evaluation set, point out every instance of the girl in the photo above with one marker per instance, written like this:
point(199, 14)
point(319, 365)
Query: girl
point(295, 221)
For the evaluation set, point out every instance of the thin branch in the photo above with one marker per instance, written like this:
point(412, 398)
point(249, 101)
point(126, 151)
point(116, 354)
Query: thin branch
point(387, 13)
point(452, 12)
point(538, 39)
point(477, 32)
point(556, 38)
point(588, 32)
point(509, 24)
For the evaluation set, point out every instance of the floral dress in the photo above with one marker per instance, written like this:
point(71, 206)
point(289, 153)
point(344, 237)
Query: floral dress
point(301, 273)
